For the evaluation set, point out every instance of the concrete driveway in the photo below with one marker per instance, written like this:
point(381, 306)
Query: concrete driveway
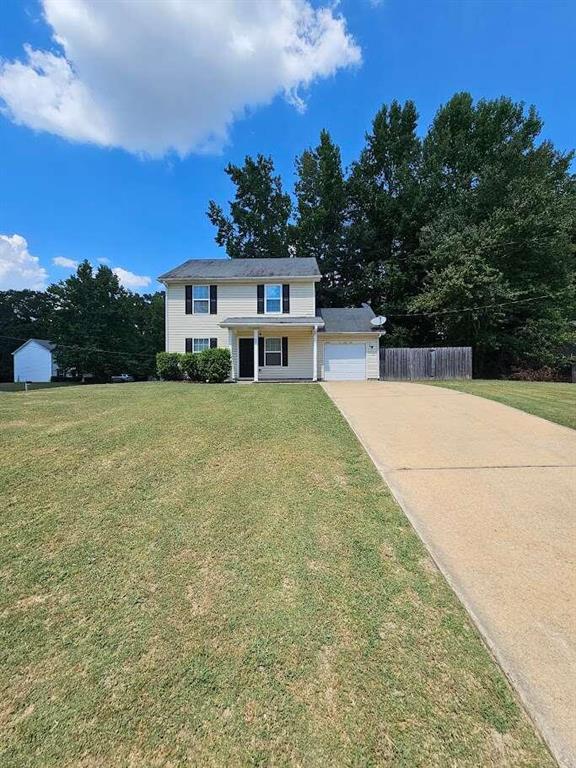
point(492, 493)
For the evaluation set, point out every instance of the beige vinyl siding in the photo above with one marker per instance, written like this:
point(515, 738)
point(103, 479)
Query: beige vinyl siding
point(300, 354)
point(235, 299)
point(372, 350)
point(300, 357)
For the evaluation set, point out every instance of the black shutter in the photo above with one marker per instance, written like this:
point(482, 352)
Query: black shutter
point(260, 351)
point(188, 299)
point(284, 350)
point(285, 299)
point(188, 345)
point(260, 299)
point(213, 299)
point(213, 343)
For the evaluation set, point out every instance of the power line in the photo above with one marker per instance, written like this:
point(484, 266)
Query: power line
point(480, 307)
point(77, 347)
point(526, 242)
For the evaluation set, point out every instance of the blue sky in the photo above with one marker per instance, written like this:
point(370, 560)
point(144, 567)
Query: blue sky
point(73, 199)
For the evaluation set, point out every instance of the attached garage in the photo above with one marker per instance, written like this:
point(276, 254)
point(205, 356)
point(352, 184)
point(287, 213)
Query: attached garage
point(344, 362)
point(348, 345)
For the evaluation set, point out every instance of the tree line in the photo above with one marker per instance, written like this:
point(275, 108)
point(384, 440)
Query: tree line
point(99, 327)
point(464, 235)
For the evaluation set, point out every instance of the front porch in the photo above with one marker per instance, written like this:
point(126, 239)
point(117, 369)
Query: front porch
point(274, 348)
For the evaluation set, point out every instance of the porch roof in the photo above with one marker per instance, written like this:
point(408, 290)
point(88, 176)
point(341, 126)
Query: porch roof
point(285, 321)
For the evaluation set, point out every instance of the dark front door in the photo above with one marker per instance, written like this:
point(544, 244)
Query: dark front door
point(246, 354)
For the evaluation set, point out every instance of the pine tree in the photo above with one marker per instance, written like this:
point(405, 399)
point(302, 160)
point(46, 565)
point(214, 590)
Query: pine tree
point(320, 227)
point(259, 214)
point(94, 325)
point(384, 210)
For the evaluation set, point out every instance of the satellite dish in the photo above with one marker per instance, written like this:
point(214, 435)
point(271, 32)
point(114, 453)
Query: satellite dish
point(377, 321)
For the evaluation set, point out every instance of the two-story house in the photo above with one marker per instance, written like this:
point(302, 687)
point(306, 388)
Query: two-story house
point(264, 311)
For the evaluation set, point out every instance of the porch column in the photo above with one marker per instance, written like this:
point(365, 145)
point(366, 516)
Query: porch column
point(315, 353)
point(231, 342)
point(255, 354)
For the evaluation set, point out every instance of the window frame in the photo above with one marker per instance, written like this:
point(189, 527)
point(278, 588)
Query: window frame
point(273, 352)
point(194, 340)
point(204, 301)
point(279, 299)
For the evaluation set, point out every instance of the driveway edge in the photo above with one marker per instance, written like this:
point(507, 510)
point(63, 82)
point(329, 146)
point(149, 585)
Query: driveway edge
point(517, 681)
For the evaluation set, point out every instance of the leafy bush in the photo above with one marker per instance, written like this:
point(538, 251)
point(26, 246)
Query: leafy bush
point(189, 365)
point(168, 366)
point(214, 365)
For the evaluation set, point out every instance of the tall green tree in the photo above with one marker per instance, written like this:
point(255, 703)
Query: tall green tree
point(258, 222)
point(95, 325)
point(500, 209)
point(385, 212)
point(321, 215)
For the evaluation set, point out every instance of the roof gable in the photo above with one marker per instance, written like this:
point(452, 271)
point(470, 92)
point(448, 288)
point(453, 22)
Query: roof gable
point(49, 345)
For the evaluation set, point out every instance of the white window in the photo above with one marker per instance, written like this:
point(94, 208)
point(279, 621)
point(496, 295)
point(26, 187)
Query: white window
point(273, 296)
point(272, 351)
point(199, 345)
point(201, 300)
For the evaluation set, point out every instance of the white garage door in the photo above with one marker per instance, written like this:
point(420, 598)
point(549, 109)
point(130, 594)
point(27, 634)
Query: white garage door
point(344, 362)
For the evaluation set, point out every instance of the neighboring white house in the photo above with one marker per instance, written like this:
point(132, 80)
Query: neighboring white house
point(264, 312)
point(34, 361)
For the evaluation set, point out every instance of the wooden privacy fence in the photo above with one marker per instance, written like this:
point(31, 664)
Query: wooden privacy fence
point(408, 364)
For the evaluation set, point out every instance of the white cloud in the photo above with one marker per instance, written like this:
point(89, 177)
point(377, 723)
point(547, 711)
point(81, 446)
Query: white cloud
point(62, 261)
point(130, 280)
point(18, 268)
point(104, 260)
point(167, 75)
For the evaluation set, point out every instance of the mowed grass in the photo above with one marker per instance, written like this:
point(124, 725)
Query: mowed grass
point(550, 400)
point(20, 386)
point(217, 576)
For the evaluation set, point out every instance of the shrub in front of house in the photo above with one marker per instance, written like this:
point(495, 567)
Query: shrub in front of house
point(214, 365)
point(168, 366)
point(189, 365)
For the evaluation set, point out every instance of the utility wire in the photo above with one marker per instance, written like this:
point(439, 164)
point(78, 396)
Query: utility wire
point(438, 313)
point(483, 306)
point(89, 349)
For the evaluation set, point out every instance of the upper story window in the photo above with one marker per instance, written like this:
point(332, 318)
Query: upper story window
point(273, 299)
point(201, 299)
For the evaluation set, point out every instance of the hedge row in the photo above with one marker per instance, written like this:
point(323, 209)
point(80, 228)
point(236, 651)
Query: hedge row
point(211, 365)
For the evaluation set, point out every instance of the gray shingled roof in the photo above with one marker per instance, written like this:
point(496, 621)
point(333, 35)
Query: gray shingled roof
point(347, 320)
point(275, 320)
point(213, 269)
point(49, 345)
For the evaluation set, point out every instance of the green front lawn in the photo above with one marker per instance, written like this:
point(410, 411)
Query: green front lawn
point(217, 576)
point(552, 401)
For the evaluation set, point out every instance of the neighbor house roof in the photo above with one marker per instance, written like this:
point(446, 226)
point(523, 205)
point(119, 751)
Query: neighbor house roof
point(226, 269)
point(280, 320)
point(347, 320)
point(49, 345)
